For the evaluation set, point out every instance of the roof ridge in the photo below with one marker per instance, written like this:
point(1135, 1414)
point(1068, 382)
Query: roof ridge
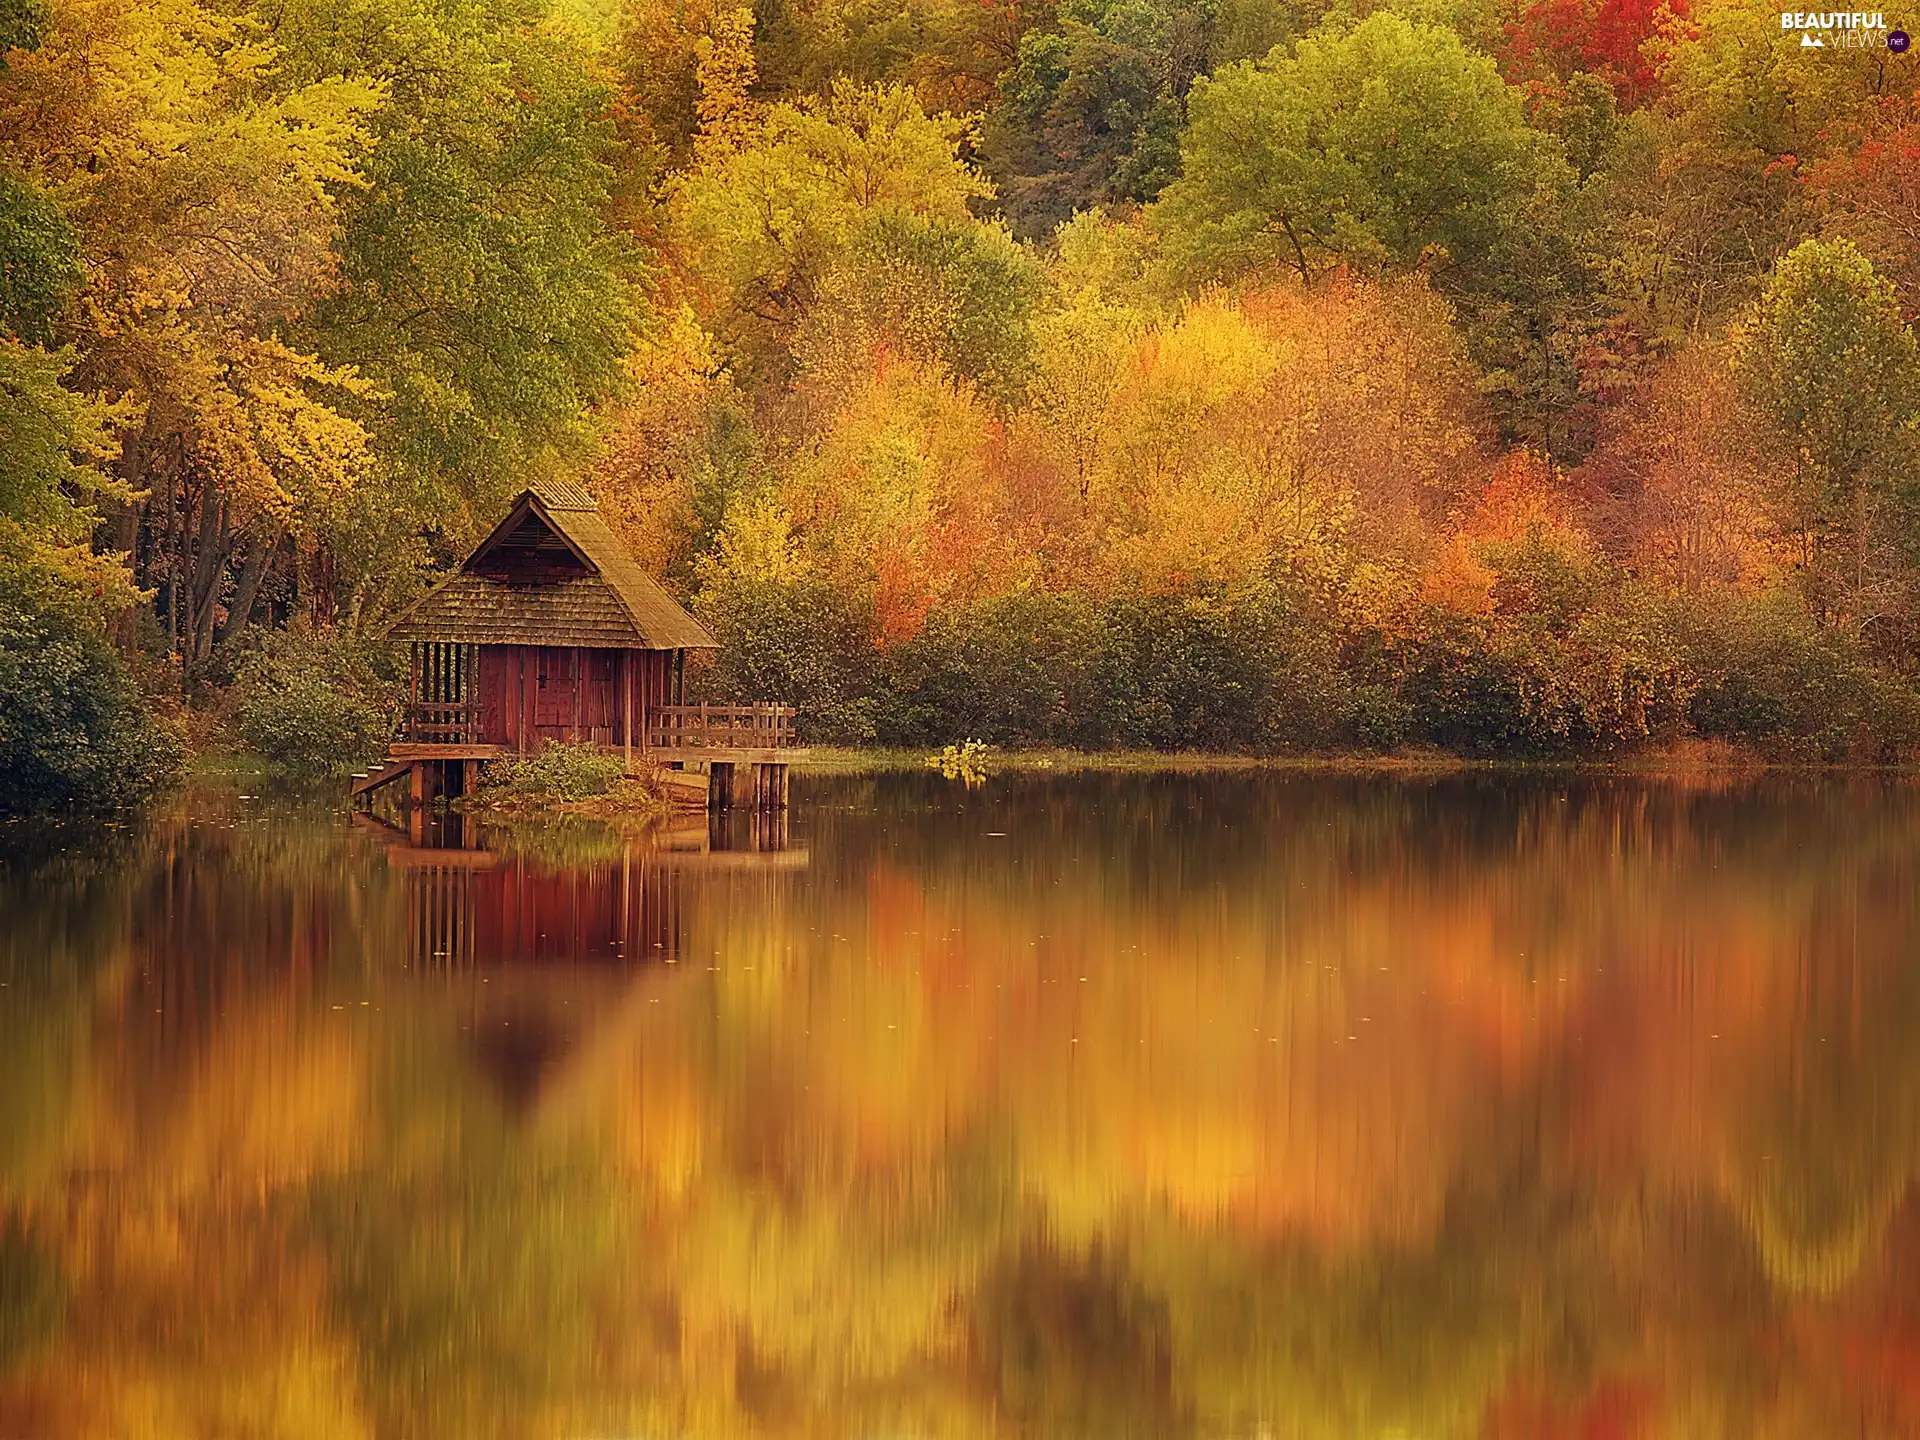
point(562, 495)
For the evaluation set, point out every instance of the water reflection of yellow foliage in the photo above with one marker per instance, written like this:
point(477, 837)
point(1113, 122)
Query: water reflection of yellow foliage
point(1371, 1128)
point(276, 1099)
point(189, 1320)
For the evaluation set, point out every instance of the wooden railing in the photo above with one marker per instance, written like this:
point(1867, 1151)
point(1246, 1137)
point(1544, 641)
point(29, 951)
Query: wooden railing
point(669, 727)
point(439, 724)
point(737, 727)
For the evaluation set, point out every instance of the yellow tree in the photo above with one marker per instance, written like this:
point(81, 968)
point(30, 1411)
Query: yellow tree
point(204, 196)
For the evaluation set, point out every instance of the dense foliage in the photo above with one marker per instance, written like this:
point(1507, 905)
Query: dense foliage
point(1246, 374)
point(75, 734)
point(315, 703)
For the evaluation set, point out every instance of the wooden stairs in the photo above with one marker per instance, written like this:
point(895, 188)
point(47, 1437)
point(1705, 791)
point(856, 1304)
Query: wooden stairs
point(365, 784)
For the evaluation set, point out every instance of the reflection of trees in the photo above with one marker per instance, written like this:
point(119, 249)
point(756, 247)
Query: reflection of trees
point(1826, 1157)
point(32, 1294)
point(1187, 1105)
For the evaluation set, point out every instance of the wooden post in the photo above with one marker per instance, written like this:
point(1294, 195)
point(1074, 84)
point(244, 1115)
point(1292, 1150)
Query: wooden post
point(579, 684)
point(523, 705)
point(626, 695)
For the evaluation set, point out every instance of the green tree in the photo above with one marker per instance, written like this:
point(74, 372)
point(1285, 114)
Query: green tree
point(480, 288)
point(761, 227)
point(1390, 144)
point(39, 260)
point(1834, 370)
point(1091, 112)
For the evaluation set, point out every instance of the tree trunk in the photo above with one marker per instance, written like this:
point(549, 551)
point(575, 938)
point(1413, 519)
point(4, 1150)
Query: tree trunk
point(260, 555)
point(210, 566)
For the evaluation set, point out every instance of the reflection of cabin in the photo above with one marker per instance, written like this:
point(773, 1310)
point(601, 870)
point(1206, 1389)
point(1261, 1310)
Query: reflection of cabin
point(470, 907)
point(550, 631)
point(552, 953)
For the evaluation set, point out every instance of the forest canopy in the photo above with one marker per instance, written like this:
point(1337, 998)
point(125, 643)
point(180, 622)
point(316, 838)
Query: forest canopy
point(1224, 373)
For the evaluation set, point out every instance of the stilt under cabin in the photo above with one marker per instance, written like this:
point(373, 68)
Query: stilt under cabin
point(551, 631)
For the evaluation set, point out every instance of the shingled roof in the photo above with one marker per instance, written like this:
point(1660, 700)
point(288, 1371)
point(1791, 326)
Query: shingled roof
point(553, 573)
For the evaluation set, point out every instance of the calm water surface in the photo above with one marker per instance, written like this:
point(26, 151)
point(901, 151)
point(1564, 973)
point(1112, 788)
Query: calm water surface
point(1078, 1106)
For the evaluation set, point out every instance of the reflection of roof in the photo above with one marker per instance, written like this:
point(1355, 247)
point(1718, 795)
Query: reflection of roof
point(553, 573)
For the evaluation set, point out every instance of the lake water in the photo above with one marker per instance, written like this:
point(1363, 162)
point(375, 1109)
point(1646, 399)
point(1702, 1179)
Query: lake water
point(1113, 1105)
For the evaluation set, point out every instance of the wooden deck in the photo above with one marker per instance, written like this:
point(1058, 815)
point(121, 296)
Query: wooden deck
point(730, 754)
point(646, 759)
point(697, 729)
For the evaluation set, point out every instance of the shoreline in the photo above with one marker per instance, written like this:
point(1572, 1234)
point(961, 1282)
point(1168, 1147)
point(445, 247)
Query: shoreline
point(1688, 759)
point(231, 766)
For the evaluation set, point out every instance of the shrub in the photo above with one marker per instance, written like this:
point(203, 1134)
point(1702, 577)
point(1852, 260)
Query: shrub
point(1012, 671)
point(316, 703)
point(1196, 672)
point(75, 732)
point(1208, 672)
point(800, 642)
point(1770, 675)
point(1494, 686)
point(555, 773)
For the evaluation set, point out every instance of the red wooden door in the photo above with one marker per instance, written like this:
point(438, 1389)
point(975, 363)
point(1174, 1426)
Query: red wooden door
point(554, 692)
point(493, 697)
point(597, 696)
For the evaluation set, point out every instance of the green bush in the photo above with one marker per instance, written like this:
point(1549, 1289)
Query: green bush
point(316, 703)
point(803, 644)
point(1576, 659)
point(556, 772)
point(1770, 675)
point(1515, 687)
point(75, 733)
point(1207, 672)
point(1012, 671)
point(1040, 668)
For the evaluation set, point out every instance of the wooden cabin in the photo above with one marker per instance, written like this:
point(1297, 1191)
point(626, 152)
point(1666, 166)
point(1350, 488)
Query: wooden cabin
point(551, 631)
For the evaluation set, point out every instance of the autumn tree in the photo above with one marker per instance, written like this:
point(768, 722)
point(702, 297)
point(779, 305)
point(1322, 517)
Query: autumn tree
point(1607, 39)
point(480, 291)
point(1676, 486)
point(1870, 192)
point(761, 227)
point(203, 199)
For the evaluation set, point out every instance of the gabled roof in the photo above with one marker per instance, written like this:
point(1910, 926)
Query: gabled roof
point(553, 573)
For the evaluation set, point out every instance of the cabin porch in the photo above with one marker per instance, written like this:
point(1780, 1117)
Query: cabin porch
point(469, 704)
